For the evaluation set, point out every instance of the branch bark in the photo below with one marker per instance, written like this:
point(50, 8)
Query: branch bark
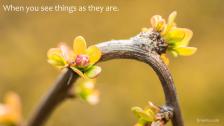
point(145, 47)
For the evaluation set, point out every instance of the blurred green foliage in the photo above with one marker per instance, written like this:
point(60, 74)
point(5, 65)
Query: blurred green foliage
point(25, 39)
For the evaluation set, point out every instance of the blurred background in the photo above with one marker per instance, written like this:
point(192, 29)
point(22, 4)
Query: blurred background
point(25, 39)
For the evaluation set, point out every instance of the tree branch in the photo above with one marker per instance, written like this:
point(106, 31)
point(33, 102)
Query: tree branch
point(145, 47)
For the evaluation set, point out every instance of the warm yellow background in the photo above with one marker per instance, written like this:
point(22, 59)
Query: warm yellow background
point(25, 40)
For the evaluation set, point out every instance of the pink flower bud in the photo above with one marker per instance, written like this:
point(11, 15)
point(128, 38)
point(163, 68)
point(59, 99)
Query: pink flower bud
point(82, 60)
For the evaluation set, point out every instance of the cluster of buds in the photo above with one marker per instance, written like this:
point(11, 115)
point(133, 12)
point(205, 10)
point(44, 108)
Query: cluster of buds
point(176, 38)
point(10, 110)
point(152, 115)
point(81, 59)
point(87, 92)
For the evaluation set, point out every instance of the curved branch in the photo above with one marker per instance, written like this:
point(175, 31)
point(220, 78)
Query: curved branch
point(144, 47)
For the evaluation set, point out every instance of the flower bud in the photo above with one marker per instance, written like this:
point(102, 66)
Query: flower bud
point(158, 23)
point(82, 60)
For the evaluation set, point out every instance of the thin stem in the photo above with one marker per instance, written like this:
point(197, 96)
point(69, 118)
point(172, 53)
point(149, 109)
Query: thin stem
point(56, 95)
point(143, 47)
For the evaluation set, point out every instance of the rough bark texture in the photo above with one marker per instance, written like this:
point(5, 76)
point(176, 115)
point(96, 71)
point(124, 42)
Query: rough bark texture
point(145, 47)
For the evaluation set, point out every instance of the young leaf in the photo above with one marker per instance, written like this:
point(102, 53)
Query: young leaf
point(175, 35)
point(79, 72)
point(171, 23)
point(94, 54)
point(185, 51)
point(79, 45)
point(136, 111)
point(93, 72)
point(55, 57)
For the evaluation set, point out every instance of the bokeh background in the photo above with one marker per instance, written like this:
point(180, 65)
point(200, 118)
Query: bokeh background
point(25, 39)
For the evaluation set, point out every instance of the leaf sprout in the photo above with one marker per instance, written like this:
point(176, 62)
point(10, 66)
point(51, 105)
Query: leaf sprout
point(177, 38)
point(10, 110)
point(151, 115)
point(87, 92)
point(81, 59)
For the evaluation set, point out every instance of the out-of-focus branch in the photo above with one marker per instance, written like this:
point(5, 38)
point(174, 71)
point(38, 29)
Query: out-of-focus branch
point(56, 95)
point(144, 47)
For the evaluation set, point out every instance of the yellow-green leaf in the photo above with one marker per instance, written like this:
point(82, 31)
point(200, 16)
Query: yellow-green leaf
point(94, 54)
point(158, 22)
point(171, 19)
point(93, 72)
point(185, 51)
point(187, 37)
point(54, 51)
point(55, 57)
point(139, 124)
point(79, 72)
point(85, 88)
point(152, 113)
point(175, 35)
point(153, 107)
point(79, 45)
point(145, 115)
point(174, 53)
point(136, 111)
